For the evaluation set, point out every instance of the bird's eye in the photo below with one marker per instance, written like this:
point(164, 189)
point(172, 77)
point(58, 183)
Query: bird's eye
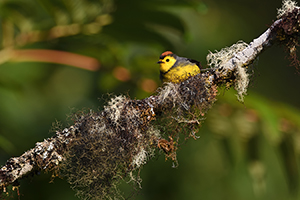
point(167, 60)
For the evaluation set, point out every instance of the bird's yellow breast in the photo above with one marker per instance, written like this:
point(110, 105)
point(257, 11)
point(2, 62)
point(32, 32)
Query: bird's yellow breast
point(181, 73)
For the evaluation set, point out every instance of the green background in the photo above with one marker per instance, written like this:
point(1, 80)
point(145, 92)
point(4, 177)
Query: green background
point(235, 157)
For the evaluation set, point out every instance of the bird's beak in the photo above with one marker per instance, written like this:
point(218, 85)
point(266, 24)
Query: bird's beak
point(160, 62)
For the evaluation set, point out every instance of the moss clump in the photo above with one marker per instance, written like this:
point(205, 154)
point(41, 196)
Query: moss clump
point(110, 146)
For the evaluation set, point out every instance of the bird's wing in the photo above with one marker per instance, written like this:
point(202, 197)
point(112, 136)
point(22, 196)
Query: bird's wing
point(196, 62)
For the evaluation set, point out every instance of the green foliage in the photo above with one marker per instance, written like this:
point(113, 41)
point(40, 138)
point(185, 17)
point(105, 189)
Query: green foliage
point(253, 126)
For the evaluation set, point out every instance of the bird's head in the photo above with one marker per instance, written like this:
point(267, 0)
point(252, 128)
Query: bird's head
point(166, 61)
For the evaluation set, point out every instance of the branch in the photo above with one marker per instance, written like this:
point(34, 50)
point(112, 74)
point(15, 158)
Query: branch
point(102, 148)
point(54, 56)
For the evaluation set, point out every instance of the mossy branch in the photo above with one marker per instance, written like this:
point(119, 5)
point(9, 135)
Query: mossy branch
point(103, 147)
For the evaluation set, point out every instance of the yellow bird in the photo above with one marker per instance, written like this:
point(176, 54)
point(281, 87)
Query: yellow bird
point(177, 69)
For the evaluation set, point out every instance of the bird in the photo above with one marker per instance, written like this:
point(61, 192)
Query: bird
point(176, 69)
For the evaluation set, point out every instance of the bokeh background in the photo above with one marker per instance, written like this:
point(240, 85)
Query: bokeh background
point(58, 57)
